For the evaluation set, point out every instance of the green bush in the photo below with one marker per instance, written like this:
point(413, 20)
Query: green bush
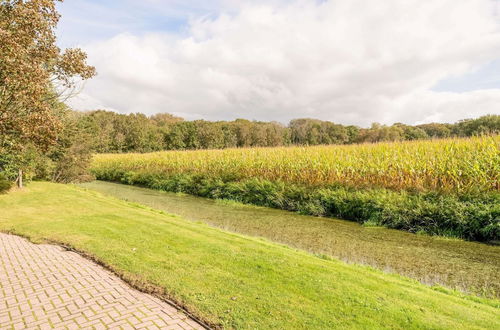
point(5, 184)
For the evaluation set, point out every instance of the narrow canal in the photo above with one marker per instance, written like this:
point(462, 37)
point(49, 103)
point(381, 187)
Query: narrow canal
point(468, 266)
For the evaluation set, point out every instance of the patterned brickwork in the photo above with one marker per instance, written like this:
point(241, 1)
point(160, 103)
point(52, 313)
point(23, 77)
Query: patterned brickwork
point(47, 287)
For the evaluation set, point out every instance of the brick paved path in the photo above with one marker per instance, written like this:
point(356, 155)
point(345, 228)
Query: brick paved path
point(44, 286)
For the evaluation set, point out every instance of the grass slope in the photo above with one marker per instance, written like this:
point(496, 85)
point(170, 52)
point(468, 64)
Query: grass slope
point(232, 280)
point(429, 259)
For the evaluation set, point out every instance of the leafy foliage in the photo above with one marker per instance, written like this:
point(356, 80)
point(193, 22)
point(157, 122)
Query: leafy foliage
point(66, 160)
point(5, 184)
point(34, 75)
point(113, 132)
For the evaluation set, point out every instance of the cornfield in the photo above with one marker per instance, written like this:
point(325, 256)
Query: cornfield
point(448, 165)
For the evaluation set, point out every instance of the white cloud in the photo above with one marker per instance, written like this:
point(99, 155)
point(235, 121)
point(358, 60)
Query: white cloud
point(350, 61)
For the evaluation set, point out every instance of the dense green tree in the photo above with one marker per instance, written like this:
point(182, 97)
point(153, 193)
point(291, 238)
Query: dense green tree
point(306, 131)
point(209, 135)
point(380, 133)
point(68, 160)
point(436, 130)
point(352, 133)
point(411, 132)
point(489, 124)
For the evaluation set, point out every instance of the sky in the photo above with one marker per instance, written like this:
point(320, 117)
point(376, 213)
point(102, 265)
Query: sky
point(347, 61)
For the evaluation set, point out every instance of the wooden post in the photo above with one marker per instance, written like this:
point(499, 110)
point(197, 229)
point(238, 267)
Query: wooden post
point(20, 179)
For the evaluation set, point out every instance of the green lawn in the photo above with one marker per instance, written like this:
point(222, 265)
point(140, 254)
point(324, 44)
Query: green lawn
point(229, 279)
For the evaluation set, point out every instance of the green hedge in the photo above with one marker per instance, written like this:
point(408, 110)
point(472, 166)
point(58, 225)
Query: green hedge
point(468, 217)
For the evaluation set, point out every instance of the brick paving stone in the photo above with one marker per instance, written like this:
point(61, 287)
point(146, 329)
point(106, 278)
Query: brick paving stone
point(47, 287)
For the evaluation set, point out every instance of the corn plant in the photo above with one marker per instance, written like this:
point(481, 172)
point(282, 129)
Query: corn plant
point(449, 165)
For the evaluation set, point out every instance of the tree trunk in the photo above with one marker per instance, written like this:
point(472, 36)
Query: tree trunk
point(20, 179)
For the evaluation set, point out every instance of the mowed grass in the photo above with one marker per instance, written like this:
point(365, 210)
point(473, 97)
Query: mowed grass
point(232, 280)
point(468, 266)
point(448, 165)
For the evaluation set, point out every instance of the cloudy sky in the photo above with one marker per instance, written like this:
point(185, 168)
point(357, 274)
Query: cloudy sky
point(348, 61)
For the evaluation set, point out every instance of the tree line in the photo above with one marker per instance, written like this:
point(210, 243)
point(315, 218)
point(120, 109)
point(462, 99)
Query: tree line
point(110, 132)
point(41, 138)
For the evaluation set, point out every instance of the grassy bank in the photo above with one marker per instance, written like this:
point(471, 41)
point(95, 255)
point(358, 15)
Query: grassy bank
point(468, 266)
point(232, 280)
point(447, 187)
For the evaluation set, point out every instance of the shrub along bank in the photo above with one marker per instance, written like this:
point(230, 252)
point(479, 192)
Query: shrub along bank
point(472, 217)
point(5, 184)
